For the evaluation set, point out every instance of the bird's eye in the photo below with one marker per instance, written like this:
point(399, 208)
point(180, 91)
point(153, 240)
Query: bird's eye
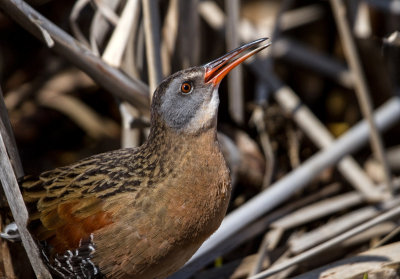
point(186, 87)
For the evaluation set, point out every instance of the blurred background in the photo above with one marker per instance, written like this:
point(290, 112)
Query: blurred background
point(77, 78)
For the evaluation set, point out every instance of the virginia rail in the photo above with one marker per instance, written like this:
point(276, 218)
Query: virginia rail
point(141, 212)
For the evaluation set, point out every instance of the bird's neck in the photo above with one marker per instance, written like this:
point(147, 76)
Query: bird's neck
point(167, 149)
point(164, 140)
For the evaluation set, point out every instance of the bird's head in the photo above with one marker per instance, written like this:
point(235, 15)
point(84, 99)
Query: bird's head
point(187, 101)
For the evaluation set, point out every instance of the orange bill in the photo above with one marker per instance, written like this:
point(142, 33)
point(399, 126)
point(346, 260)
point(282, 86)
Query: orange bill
point(216, 70)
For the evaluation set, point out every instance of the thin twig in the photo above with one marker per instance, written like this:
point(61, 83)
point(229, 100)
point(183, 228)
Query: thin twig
point(18, 209)
point(130, 135)
point(318, 210)
point(117, 44)
point(389, 236)
point(129, 63)
point(73, 18)
point(258, 119)
point(169, 33)
point(235, 82)
point(260, 257)
point(106, 11)
point(153, 46)
point(188, 36)
point(293, 146)
point(100, 26)
point(283, 258)
point(8, 137)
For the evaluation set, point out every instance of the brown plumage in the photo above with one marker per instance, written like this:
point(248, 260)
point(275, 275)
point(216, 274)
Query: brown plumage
point(140, 212)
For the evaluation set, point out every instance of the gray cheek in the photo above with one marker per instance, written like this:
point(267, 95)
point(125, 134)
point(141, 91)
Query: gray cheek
point(178, 110)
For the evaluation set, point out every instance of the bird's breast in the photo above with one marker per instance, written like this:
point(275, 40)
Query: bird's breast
point(162, 226)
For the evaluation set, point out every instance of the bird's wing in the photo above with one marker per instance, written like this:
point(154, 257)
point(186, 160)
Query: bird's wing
point(67, 204)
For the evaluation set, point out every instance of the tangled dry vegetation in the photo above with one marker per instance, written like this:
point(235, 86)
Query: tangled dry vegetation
point(315, 178)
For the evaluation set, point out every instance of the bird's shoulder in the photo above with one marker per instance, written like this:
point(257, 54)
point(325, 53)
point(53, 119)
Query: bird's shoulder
point(93, 175)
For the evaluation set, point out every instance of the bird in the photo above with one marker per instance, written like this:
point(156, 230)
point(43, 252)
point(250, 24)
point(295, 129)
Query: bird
point(141, 212)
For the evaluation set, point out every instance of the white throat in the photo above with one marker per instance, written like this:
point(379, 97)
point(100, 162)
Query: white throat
point(205, 114)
